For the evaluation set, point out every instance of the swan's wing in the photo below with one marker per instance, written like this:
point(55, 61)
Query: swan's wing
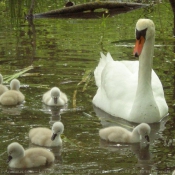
point(102, 63)
point(118, 88)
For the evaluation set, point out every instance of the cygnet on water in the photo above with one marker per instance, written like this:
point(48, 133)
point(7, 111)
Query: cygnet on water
point(46, 137)
point(32, 157)
point(55, 97)
point(12, 96)
point(122, 135)
point(3, 88)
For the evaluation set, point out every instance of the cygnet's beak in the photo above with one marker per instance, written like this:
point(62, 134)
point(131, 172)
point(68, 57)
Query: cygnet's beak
point(55, 100)
point(9, 159)
point(53, 136)
point(138, 46)
point(147, 138)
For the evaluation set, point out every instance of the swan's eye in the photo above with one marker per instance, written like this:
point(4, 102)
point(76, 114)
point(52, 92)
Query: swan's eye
point(140, 33)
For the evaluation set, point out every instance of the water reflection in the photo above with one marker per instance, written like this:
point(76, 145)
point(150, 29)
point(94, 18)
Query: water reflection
point(141, 150)
point(142, 153)
point(12, 110)
point(108, 120)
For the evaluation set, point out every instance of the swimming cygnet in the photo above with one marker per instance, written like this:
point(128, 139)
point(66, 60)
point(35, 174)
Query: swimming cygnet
point(55, 97)
point(32, 157)
point(12, 96)
point(122, 135)
point(46, 137)
point(3, 88)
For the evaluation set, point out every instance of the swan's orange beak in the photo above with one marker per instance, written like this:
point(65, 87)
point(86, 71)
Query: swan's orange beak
point(138, 46)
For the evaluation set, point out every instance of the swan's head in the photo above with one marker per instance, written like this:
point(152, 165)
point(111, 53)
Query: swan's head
point(57, 129)
point(144, 131)
point(15, 85)
point(55, 94)
point(14, 150)
point(144, 31)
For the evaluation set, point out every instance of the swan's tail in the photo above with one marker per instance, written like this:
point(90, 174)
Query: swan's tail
point(102, 63)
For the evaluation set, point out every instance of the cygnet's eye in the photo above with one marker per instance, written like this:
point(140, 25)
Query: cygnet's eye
point(147, 137)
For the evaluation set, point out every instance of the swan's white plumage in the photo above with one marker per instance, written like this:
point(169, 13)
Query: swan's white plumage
point(122, 94)
point(32, 157)
point(54, 97)
point(12, 96)
point(3, 88)
point(46, 137)
point(122, 135)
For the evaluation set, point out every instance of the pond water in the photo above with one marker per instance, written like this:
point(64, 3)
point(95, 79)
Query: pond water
point(64, 53)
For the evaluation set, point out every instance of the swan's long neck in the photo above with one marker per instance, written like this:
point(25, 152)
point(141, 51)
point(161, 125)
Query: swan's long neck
point(145, 67)
point(144, 105)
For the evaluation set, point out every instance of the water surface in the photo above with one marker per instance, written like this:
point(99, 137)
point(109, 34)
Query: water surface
point(62, 52)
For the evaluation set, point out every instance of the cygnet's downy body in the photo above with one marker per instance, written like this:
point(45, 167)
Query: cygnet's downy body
point(12, 96)
point(46, 137)
point(32, 157)
point(54, 97)
point(122, 135)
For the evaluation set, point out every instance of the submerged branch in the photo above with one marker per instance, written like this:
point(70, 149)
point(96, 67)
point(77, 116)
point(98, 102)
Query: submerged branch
point(87, 10)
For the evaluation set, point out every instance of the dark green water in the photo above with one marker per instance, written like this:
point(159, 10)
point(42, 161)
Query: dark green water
point(62, 52)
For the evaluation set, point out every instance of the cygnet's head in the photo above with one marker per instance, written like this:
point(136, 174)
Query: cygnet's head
point(145, 28)
point(57, 129)
point(55, 94)
point(1, 79)
point(15, 150)
point(144, 130)
point(15, 84)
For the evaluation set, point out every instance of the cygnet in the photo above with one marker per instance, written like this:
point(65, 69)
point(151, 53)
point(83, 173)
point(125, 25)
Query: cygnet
point(32, 157)
point(46, 137)
point(122, 135)
point(12, 96)
point(3, 88)
point(55, 97)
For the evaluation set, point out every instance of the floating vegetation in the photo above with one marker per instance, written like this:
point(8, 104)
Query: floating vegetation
point(8, 78)
point(69, 141)
point(86, 79)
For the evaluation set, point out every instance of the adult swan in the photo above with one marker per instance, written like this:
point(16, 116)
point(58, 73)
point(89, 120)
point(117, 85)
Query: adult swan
point(131, 89)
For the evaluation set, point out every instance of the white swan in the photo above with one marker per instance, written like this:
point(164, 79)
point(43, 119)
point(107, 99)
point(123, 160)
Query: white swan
point(46, 137)
point(32, 157)
point(3, 88)
point(12, 96)
point(131, 89)
point(54, 97)
point(122, 135)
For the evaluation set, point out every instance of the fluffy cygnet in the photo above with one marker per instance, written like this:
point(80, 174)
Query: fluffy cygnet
point(122, 135)
point(32, 157)
point(46, 137)
point(55, 97)
point(12, 96)
point(2, 87)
